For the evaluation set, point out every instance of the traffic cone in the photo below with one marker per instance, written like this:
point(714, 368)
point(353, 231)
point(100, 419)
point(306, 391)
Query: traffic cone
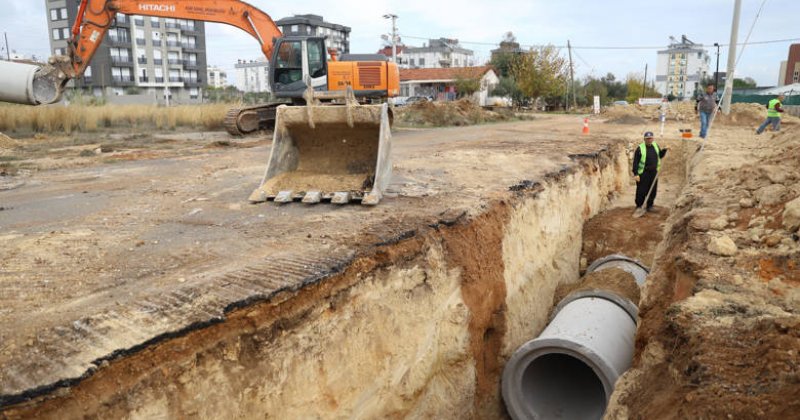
point(585, 126)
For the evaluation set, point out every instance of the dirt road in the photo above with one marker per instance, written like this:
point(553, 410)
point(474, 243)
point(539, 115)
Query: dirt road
point(119, 250)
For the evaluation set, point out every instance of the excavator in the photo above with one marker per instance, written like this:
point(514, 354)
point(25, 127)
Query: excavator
point(330, 142)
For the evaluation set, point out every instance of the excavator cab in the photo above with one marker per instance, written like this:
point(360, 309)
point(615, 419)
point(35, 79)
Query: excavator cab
point(296, 60)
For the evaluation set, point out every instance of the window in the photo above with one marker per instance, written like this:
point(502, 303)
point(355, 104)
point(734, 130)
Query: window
point(58, 14)
point(316, 58)
point(194, 93)
point(422, 62)
point(60, 51)
point(411, 62)
point(289, 62)
point(60, 33)
point(294, 28)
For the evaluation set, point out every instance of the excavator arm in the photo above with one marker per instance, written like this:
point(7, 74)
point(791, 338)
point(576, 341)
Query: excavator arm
point(95, 17)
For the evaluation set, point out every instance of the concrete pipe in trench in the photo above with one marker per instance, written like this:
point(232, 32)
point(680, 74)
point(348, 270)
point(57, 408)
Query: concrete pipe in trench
point(569, 371)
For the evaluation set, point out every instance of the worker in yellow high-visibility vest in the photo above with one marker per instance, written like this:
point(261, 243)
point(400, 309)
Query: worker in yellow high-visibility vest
point(646, 165)
point(774, 110)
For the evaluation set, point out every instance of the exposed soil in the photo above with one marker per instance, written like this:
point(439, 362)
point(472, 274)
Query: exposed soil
point(719, 334)
point(616, 231)
point(611, 279)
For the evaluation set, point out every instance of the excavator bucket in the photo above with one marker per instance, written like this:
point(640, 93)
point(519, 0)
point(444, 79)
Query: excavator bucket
point(328, 153)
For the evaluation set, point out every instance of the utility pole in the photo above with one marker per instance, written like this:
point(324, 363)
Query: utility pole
point(8, 52)
point(726, 99)
point(644, 85)
point(393, 17)
point(716, 74)
point(571, 78)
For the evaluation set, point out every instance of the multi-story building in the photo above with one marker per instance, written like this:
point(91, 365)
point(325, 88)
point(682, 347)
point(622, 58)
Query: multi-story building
point(681, 68)
point(338, 36)
point(437, 53)
point(217, 77)
point(252, 75)
point(162, 57)
point(792, 71)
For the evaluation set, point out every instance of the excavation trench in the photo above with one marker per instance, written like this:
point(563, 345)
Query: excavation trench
point(420, 326)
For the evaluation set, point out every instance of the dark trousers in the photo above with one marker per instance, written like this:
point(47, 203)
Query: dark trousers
point(643, 187)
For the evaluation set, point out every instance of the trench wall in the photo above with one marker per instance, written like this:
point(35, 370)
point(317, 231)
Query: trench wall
point(416, 329)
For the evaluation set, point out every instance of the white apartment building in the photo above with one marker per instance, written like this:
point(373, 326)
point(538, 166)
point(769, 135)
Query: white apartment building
point(217, 77)
point(681, 68)
point(437, 53)
point(252, 75)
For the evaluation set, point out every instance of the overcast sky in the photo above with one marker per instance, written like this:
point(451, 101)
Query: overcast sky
point(586, 23)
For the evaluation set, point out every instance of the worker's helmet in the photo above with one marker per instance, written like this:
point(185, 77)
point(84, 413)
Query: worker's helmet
point(648, 134)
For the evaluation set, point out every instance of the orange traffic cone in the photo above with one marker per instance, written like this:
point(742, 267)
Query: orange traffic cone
point(585, 126)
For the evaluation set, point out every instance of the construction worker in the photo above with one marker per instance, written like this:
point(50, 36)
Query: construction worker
point(774, 110)
point(646, 165)
point(706, 105)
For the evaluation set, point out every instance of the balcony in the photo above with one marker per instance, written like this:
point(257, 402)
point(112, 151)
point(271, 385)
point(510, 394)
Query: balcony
point(142, 60)
point(119, 40)
point(174, 62)
point(156, 42)
point(189, 64)
point(188, 46)
point(159, 80)
point(123, 80)
point(144, 79)
point(139, 22)
point(122, 20)
point(175, 79)
point(155, 24)
point(172, 25)
point(121, 60)
point(158, 61)
point(173, 44)
point(194, 81)
point(141, 42)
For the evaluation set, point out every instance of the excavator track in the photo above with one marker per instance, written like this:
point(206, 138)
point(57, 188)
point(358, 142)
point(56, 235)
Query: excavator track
point(242, 121)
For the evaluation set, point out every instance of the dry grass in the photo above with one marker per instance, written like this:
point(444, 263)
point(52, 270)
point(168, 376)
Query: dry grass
point(60, 119)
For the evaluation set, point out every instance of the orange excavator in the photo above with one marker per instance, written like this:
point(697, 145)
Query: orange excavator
point(329, 144)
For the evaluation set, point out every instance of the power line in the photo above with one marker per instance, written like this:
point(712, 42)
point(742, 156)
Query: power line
point(607, 47)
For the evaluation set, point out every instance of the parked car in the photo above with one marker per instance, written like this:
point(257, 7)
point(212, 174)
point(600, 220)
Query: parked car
point(414, 99)
point(621, 103)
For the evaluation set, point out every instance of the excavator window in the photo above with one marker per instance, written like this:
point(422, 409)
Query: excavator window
point(316, 57)
point(289, 62)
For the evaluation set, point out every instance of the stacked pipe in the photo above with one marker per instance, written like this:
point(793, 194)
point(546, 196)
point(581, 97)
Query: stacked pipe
point(569, 371)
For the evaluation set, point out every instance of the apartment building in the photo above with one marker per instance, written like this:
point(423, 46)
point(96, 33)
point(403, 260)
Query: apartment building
point(436, 53)
point(338, 36)
point(791, 70)
point(681, 68)
point(165, 58)
point(217, 77)
point(252, 75)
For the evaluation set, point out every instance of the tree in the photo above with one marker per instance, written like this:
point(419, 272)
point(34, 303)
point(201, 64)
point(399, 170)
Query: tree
point(595, 87)
point(507, 88)
point(503, 58)
point(465, 87)
point(540, 72)
point(616, 89)
point(636, 89)
point(746, 83)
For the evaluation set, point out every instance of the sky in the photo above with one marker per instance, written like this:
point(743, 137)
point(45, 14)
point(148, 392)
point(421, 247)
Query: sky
point(480, 24)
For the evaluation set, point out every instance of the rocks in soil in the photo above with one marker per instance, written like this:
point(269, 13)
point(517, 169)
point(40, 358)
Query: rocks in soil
point(723, 246)
point(770, 195)
point(746, 203)
point(719, 223)
point(791, 215)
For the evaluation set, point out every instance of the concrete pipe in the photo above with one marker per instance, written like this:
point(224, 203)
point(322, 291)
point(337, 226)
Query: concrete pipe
point(20, 84)
point(569, 371)
point(629, 265)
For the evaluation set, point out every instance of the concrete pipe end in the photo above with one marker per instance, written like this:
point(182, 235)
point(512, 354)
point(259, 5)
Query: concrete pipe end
point(630, 265)
point(554, 378)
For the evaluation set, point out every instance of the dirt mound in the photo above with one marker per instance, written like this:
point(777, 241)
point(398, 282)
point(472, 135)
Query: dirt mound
point(443, 114)
point(629, 119)
point(676, 111)
point(7, 142)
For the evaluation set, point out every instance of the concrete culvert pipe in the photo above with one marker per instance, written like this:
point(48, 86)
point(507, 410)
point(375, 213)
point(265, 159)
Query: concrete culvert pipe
point(569, 371)
point(20, 84)
point(627, 264)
